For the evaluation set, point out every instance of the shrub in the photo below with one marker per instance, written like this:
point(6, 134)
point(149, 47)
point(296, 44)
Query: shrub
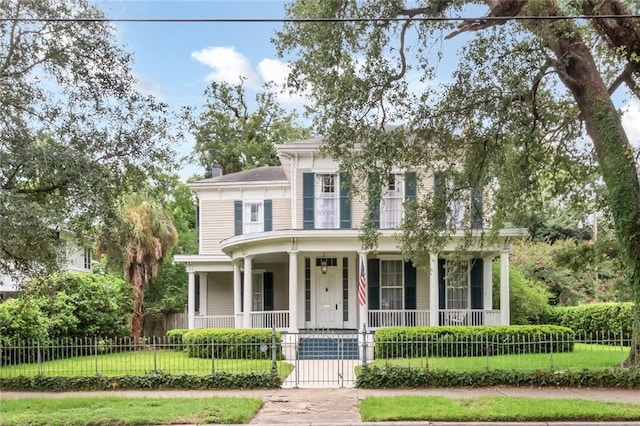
point(390, 376)
point(230, 343)
point(528, 299)
point(614, 319)
point(408, 342)
point(175, 336)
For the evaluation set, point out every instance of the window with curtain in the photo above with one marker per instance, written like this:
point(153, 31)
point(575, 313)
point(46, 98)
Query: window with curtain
point(457, 282)
point(253, 217)
point(258, 292)
point(391, 284)
point(326, 201)
point(391, 201)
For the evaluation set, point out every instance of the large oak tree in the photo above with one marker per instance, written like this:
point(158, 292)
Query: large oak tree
point(530, 102)
point(74, 130)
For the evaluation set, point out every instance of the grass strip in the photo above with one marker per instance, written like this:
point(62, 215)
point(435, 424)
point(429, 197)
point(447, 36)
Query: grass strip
point(483, 409)
point(121, 411)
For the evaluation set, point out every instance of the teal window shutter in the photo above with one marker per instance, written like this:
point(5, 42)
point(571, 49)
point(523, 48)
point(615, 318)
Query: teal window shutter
point(345, 201)
point(268, 215)
point(409, 286)
point(442, 285)
point(237, 216)
point(373, 281)
point(308, 181)
point(476, 208)
point(410, 186)
point(374, 189)
point(268, 291)
point(477, 274)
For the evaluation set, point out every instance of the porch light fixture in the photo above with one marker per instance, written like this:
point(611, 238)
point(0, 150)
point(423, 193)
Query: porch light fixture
point(324, 265)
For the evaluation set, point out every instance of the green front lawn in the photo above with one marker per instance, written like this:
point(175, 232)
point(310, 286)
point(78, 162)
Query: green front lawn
point(437, 408)
point(142, 362)
point(126, 411)
point(583, 356)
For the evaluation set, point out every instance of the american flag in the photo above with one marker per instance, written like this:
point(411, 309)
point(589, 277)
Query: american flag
point(362, 283)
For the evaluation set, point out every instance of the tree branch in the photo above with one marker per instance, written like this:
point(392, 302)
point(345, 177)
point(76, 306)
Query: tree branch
point(497, 9)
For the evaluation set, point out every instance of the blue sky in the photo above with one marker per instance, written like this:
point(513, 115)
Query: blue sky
point(176, 61)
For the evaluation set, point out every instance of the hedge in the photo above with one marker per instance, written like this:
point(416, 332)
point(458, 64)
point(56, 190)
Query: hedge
point(230, 343)
point(603, 319)
point(219, 380)
point(456, 341)
point(390, 376)
point(175, 336)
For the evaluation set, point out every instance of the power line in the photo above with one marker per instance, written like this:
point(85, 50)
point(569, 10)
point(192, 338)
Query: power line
point(320, 20)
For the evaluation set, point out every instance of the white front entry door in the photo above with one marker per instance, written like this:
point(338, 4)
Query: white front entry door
point(329, 299)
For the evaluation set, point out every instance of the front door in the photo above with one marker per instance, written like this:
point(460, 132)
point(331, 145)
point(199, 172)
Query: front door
point(329, 299)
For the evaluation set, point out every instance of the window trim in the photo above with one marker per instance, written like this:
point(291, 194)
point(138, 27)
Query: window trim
point(381, 286)
point(318, 185)
point(249, 226)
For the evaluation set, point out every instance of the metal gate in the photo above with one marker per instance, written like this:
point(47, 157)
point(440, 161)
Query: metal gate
point(322, 358)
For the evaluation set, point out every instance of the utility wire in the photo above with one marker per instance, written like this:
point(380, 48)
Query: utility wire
point(319, 20)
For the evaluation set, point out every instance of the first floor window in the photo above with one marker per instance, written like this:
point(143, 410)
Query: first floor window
point(457, 281)
point(253, 217)
point(258, 292)
point(391, 280)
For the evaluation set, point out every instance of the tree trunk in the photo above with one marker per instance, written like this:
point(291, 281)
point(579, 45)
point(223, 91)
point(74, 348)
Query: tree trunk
point(578, 71)
point(137, 284)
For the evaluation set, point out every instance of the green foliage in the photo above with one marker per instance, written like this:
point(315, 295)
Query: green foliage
point(228, 134)
point(573, 272)
point(68, 305)
point(175, 337)
point(75, 131)
point(220, 380)
point(406, 377)
point(528, 299)
point(410, 342)
point(230, 343)
point(603, 319)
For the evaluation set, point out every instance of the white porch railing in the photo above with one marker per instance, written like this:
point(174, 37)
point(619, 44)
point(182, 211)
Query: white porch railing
point(398, 318)
point(409, 317)
point(214, 321)
point(270, 319)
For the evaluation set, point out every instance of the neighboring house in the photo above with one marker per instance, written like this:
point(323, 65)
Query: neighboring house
point(279, 247)
point(72, 258)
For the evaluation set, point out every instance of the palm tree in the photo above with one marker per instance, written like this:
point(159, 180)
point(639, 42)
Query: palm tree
point(146, 236)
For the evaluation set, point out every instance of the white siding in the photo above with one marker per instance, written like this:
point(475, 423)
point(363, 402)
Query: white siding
point(216, 224)
point(281, 214)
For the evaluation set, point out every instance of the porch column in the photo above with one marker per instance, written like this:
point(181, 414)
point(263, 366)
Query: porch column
point(293, 291)
point(504, 287)
point(364, 307)
point(204, 293)
point(237, 303)
point(248, 290)
point(191, 301)
point(487, 281)
point(434, 299)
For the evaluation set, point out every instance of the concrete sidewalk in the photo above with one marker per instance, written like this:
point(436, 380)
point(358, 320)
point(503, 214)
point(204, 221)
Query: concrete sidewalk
point(321, 407)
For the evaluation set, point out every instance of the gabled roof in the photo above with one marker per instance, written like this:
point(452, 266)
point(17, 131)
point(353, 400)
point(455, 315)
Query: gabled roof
point(260, 174)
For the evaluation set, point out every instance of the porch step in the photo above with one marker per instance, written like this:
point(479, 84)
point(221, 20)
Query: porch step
point(328, 348)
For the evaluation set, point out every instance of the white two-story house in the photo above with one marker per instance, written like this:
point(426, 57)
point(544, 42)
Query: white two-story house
point(279, 247)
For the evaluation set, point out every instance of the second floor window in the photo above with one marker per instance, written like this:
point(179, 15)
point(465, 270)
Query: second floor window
point(391, 202)
point(87, 258)
point(253, 217)
point(326, 203)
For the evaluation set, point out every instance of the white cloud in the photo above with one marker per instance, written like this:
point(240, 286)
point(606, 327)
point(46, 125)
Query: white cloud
point(273, 70)
point(149, 87)
point(228, 65)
